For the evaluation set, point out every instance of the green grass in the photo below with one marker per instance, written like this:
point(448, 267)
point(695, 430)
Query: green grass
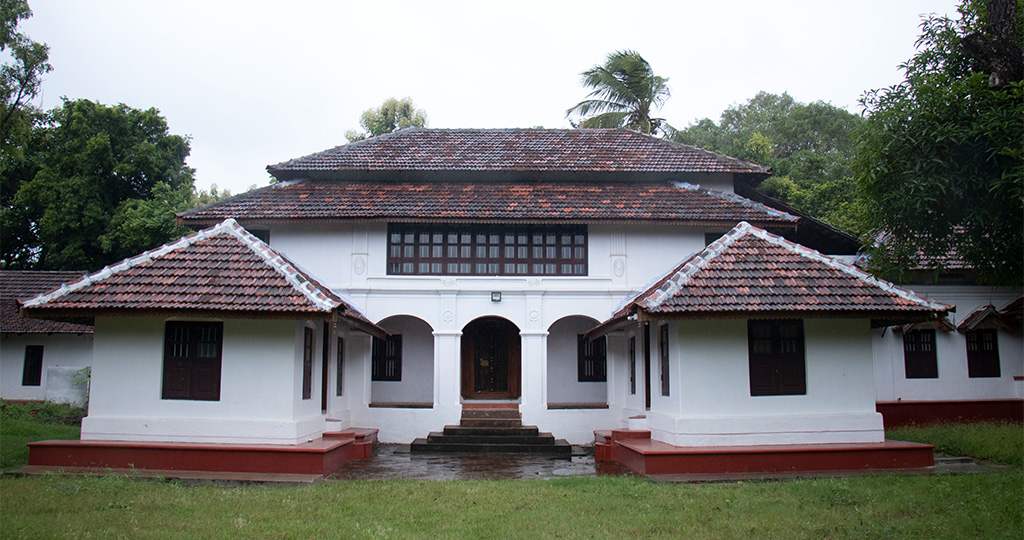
point(1000, 442)
point(983, 505)
point(945, 506)
point(19, 426)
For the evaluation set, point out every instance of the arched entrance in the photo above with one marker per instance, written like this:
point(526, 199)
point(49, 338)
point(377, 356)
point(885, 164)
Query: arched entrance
point(490, 359)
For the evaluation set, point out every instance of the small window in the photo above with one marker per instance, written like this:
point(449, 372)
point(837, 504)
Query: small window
point(340, 369)
point(387, 359)
point(663, 350)
point(32, 375)
point(919, 358)
point(307, 363)
point(632, 365)
point(982, 353)
point(192, 360)
point(776, 356)
point(591, 359)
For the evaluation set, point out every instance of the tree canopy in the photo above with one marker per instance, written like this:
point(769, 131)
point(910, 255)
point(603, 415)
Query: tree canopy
point(625, 92)
point(391, 115)
point(20, 76)
point(940, 159)
point(810, 147)
point(92, 185)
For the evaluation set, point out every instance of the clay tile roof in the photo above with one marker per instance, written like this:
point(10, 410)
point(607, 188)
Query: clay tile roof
point(222, 271)
point(751, 273)
point(22, 285)
point(491, 201)
point(987, 316)
point(538, 150)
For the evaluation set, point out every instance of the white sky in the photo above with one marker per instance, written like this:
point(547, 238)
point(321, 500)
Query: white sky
point(259, 82)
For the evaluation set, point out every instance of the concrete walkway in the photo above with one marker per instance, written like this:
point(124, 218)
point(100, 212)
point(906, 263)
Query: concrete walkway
point(393, 461)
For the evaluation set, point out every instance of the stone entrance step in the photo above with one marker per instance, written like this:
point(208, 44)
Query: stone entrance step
point(491, 430)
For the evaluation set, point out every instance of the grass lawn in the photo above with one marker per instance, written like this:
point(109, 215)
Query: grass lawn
point(986, 505)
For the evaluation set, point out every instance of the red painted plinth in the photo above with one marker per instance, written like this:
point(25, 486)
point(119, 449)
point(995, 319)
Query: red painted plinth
point(321, 456)
point(638, 453)
point(902, 413)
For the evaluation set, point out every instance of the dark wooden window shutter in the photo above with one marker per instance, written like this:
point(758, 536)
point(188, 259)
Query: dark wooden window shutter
point(591, 359)
point(307, 363)
point(32, 375)
point(386, 359)
point(663, 349)
point(919, 355)
point(776, 358)
point(192, 360)
point(983, 353)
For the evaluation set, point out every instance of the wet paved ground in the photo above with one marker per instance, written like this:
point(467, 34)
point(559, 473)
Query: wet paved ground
point(391, 461)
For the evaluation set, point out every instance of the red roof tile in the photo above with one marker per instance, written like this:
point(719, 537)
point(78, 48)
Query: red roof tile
point(223, 270)
point(22, 285)
point(484, 201)
point(523, 150)
point(752, 273)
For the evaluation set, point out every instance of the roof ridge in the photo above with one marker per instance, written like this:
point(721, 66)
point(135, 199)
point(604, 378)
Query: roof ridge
point(691, 265)
point(229, 226)
point(283, 265)
point(733, 197)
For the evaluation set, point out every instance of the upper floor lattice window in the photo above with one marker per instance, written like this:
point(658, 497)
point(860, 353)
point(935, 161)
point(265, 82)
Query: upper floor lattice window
point(487, 250)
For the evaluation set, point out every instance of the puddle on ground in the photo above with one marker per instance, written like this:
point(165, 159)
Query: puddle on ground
point(391, 461)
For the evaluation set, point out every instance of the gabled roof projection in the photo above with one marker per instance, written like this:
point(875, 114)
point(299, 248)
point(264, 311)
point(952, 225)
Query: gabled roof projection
point(523, 150)
point(673, 202)
point(750, 273)
point(22, 285)
point(222, 271)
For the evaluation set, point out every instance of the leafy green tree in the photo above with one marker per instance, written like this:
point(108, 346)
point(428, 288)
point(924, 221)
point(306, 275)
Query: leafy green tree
point(940, 162)
point(809, 146)
point(20, 76)
point(624, 93)
point(391, 115)
point(78, 182)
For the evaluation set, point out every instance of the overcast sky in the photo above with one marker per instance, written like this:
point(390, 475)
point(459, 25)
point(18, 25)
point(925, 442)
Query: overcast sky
point(254, 83)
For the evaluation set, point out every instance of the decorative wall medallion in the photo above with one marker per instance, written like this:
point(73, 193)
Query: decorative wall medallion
point(533, 282)
point(359, 265)
point(447, 282)
point(534, 316)
point(619, 267)
point(448, 316)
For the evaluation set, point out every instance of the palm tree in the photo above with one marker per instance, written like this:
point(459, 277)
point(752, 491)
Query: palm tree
point(625, 90)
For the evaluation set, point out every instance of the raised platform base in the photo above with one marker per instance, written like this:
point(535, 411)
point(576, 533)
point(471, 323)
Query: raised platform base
point(636, 451)
point(902, 413)
point(319, 457)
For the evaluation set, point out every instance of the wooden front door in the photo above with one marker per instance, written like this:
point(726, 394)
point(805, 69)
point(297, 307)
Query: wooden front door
point(490, 359)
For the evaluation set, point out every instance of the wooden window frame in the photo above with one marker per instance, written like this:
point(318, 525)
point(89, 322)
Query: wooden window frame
point(417, 249)
point(983, 353)
point(632, 365)
point(666, 386)
point(32, 371)
point(386, 359)
point(591, 359)
point(777, 362)
point(339, 374)
point(307, 363)
point(920, 360)
point(196, 374)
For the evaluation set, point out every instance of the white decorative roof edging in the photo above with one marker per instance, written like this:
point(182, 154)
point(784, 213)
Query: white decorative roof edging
point(736, 199)
point(229, 226)
point(698, 262)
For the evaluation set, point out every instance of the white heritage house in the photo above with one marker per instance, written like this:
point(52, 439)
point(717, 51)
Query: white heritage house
point(480, 260)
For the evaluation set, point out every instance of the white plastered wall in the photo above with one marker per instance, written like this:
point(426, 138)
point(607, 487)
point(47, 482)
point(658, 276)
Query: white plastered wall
point(710, 402)
point(261, 386)
point(953, 382)
point(59, 350)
